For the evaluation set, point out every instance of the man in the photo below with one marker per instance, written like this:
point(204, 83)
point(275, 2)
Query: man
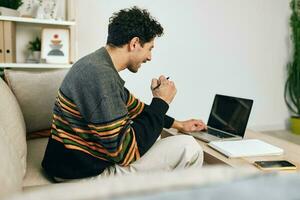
point(99, 127)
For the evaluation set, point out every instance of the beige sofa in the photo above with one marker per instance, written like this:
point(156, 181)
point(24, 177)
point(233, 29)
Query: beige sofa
point(26, 102)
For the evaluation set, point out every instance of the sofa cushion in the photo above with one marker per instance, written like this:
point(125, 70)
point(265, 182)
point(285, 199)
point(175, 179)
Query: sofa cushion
point(35, 90)
point(12, 123)
point(11, 173)
point(34, 173)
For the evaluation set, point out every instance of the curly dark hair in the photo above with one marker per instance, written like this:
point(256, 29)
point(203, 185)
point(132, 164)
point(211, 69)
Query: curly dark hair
point(133, 22)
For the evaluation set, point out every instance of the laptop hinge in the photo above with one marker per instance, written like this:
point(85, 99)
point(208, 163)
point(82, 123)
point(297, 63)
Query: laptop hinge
point(209, 127)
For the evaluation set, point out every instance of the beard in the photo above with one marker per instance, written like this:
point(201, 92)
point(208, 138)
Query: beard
point(134, 68)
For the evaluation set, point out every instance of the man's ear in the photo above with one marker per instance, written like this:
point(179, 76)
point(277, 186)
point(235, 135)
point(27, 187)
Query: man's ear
point(134, 43)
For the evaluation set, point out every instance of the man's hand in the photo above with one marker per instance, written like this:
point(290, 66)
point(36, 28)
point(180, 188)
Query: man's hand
point(164, 89)
point(191, 125)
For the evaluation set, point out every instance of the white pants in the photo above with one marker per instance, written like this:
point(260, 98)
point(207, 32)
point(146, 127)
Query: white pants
point(171, 153)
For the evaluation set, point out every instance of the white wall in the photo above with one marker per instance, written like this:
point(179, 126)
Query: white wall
point(233, 47)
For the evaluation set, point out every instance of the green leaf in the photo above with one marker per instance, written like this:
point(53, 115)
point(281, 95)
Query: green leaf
point(13, 4)
point(292, 85)
point(35, 45)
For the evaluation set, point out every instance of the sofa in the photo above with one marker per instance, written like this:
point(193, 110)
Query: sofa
point(26, 102)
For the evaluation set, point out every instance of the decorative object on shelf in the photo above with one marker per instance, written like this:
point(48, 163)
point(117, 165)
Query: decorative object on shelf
point(34, 48)
point(28, 8)
point(9, 7)
point(55, 45)
point(47, 9)
point(292, 84)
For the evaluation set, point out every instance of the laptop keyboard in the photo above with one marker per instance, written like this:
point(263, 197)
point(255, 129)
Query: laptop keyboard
point(218, 134)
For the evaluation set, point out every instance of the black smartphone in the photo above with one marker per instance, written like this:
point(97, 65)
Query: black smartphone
point(275, 165)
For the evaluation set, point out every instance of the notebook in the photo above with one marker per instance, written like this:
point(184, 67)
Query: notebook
point(245, 148)
point(227, 120)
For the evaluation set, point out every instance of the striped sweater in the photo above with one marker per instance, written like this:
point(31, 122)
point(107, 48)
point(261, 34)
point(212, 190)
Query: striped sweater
point(97, 122)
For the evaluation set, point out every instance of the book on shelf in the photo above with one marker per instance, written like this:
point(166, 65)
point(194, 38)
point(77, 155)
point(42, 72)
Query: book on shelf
point(1, 42)
point(7, 42)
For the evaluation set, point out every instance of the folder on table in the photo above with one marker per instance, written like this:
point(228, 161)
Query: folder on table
point(9, 41)
point(245, 148)
point(1, 42)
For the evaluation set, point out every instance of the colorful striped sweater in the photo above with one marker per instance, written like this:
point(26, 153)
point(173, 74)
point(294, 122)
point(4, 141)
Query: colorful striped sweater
point(97, 122)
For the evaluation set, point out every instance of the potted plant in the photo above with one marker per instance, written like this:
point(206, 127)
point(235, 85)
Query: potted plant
point(34, 48)
point(9, 7)
point(292, 85)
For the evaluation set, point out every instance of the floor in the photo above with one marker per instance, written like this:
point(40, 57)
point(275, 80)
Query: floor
point(285, 134)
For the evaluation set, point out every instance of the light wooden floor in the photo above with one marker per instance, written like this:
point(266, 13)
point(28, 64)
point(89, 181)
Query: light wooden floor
point(284, 134)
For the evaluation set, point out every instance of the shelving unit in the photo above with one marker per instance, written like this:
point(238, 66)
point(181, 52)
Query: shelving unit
point(29, 28)
point(34, 65)
point(38, 24)
point(37, 21)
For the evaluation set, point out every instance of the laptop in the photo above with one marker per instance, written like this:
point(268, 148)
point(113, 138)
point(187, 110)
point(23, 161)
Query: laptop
point(227, 120)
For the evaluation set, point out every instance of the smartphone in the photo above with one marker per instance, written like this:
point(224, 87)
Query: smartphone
point(275, 165)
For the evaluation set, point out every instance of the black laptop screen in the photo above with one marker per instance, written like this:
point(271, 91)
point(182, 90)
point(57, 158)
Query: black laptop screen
point(230, 114)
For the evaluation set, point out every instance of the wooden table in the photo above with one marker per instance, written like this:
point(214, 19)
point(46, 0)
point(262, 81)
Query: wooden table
point(211, 156)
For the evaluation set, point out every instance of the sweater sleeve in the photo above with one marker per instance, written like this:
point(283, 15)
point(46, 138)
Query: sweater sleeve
point(132, 138)
point(136, 107)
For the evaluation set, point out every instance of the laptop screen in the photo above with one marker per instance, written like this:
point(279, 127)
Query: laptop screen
point(230, 114)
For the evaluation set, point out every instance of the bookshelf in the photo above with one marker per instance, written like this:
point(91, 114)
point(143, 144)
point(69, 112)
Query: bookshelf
point(37, 21)
point(27, 29)
point(34, 65)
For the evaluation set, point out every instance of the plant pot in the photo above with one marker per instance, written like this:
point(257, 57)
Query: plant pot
point(36, 55)
point(9, 12)
point(295, 125)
